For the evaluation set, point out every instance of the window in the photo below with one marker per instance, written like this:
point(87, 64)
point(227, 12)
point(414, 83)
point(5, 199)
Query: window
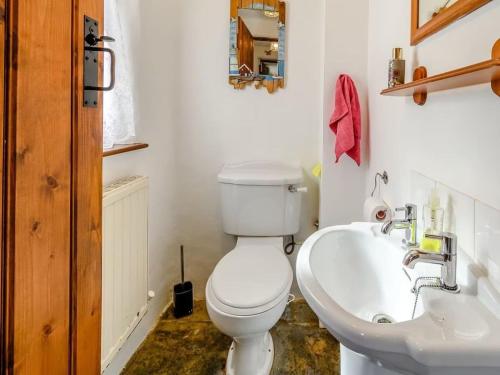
point(119, 105)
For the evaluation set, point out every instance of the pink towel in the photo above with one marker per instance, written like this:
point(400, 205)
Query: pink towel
point(346, 120)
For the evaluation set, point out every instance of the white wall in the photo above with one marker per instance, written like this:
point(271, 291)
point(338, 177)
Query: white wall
point(217, 124)
point(454, 137)
point(343, 184)
point(152, 31)
point(194, 122)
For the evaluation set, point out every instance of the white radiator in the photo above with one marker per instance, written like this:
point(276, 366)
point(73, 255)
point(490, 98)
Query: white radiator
point(124, 262)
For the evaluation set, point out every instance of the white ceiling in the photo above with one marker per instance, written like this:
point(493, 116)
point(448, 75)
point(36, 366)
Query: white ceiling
point(258, 24)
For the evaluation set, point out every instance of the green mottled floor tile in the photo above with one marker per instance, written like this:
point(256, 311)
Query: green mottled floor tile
point(299, 312)
point(193, 346)
point(200, 313)
point(191, 349)
point(304, 350)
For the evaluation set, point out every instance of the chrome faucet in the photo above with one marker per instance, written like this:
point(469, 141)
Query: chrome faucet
point(447, 259)
point(409, 223)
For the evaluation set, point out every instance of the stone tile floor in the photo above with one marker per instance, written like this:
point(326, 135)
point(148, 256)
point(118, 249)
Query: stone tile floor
point(193, 346)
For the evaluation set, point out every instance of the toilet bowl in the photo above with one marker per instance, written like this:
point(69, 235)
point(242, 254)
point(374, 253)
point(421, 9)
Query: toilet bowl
point(246, 295)
point(249, 288)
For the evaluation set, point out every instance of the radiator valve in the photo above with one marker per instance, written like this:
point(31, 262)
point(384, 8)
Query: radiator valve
point(151, 295)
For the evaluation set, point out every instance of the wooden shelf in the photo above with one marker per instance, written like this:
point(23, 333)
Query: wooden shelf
point(121, 149)
point(484, 72)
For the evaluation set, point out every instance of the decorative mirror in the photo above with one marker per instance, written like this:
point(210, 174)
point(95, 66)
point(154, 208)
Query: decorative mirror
point(430, 16)
point(257, 44)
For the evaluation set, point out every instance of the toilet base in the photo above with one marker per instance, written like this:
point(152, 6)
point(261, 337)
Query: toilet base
point(251, 356)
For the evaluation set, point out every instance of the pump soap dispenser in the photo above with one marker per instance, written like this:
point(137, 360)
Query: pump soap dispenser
point(433, 216)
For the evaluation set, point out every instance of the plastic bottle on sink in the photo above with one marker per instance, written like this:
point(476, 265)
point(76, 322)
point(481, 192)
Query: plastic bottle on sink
point(433, 216)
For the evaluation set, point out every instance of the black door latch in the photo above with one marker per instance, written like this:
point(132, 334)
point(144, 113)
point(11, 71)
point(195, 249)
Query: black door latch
point(91, 62)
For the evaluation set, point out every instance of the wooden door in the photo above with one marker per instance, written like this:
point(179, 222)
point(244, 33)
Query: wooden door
point(245, 46)
point(39, 185)
point(52, 193)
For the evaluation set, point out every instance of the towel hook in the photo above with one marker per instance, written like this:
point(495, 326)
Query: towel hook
point(384, 177)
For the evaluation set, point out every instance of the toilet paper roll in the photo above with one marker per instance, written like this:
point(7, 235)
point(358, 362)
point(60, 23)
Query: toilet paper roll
point(377, 211)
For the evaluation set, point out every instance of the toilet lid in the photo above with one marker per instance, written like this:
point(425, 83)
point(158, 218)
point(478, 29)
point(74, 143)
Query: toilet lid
point(251, 276)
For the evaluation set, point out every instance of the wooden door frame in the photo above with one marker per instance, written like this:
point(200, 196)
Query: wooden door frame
point(86, 208)
point(3, 79)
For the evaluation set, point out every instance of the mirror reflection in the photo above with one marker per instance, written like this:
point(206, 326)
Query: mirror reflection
point(428, 9)
point(257, 50)
point(258, 42)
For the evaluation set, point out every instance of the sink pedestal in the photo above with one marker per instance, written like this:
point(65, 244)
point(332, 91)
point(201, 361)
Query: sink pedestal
point(352, 363)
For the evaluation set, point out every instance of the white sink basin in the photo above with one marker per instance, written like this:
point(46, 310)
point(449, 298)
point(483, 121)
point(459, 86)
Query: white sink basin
point(350, 274)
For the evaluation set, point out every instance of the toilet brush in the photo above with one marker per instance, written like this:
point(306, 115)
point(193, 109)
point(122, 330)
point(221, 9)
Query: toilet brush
point(183, 294)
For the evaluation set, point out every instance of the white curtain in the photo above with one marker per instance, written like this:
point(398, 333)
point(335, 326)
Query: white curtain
point(119, 121)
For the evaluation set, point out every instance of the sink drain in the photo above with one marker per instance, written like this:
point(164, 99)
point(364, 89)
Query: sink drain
point(382, 319)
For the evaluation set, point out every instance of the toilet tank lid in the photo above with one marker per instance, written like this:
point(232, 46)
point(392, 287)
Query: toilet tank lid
point(261, 173)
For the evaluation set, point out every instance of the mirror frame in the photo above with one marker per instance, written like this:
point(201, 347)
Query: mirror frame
point(458, 10)
point(271, 84)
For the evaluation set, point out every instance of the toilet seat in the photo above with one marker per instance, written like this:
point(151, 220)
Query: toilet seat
point(250, 280)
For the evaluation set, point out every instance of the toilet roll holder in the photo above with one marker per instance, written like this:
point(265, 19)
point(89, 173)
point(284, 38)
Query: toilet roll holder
point(384, 177)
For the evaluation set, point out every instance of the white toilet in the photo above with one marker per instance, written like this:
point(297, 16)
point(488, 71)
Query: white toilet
point(249, 288)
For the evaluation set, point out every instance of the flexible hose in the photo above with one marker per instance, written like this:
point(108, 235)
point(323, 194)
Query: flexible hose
point(291, 245)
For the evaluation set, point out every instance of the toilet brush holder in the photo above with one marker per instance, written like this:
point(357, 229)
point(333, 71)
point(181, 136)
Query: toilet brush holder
point(183, 294)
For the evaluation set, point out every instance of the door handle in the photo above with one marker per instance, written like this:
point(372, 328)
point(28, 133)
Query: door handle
point(91, 40)
point(112, 68)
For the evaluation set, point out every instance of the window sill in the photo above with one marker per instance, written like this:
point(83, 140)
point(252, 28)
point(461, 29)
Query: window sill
point(121, 149)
